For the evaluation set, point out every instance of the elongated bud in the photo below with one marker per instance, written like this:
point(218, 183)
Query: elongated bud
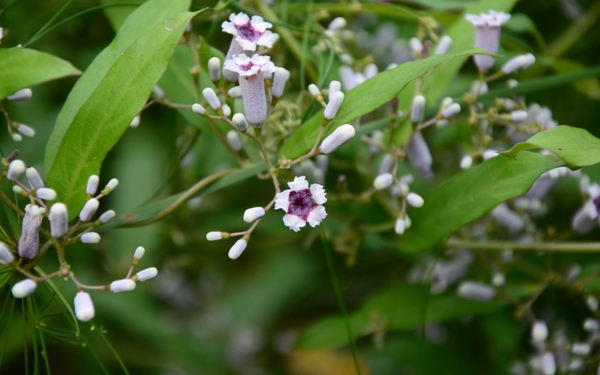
point(348, 77)
point(548, 363)
point(334, 86)
point(400, 226)
point(383, 181)
point(237, 249)
point(530, 60)
point(135, 122)
point(139, 253)
point(591, 324)
point(466, 162)
point(514, 64)
point(371, 70)
point(314, 91)
point(25, 130)
point(17, 137)
point(211, 97)
point(443, 45)
point(507, 218)
point(215, 236)
point(89, 209)
point(452, 110)
point(112, 185)
point(334, 105)
point(378, 140)
point(479, 88)
point(123, 285)
point(19, 190)
point(226, 110)
point(23, 288)
point(488, 154)
point(280, 78)
point(417, 109)
point(592, 303)
point(476, 291)
point(415, 200)
point(235, 92)
point(16, 169)
point(158, 92)
point(387, 163)
point(30, 238)
point(234, 141)
point(147, 274)
point(339, 136)
point(22, 94)
point(581, 348)
point(198, 109)
point(90, 237)
point(239, 120)
point(539, 331)
point(214, 69)
point(84, 307)
point(337, 24)
point(46, 194)
point(415, 45)
point(6, 257)
point(92, 185)
point(518, 116)
point(105, 217)
point(253, 214)
point(419, 155)
point(35, 181)
point(58, 220)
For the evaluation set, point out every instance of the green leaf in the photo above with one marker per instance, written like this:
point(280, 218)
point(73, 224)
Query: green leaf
point(576, 147)
point(365, 98)
point(111, 92)
point(118, 14)
point(22, 67)
point(396, 309)
point(472, 193)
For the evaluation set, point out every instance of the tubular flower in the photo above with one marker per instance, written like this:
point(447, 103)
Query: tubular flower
point(301, 204)
point(487, 35)
point(249, 32)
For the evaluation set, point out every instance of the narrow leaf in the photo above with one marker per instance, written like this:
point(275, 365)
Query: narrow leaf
point(21, 68)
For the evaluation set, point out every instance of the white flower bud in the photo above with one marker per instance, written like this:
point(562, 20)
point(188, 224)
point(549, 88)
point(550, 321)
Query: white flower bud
point(581, 348)
point(498, 279)
point(443, 45)
point(488, 154)
point(476, 291)
point(198, 109)
point(135, 122)
point(214, 69)
point(592, 303)
point(337, 24)
point(539, 331)
point(58, 220)
point(530, 60)
point(18, 190)
point(339, 136)
point(236, 250)
point(383, 181)
point(507, 218)
point(518, 116)
point(391, 66)
point(22, 94)
point(348, 77)
point(591, 325)
point(17, 137)
point(334, 104)
point(139, 253)
point(334, 86)
point(415, 200)
point(84, 307)
point(239, 120)
point(90, 237)
point(16, 169)
point(253, 214)
point(400, 226)
point(512, 83)
point(417, 109)
point(158, 92)
point(6, 257)
point(35, 181)
point(26, 130)
point(415, 45)
point(371, 70)
point(235, 92)
point(346, 59)
point(281, 76)
point(387, 163)
point(479, 87)
point(314, 91)
point(234, 141)
point(89, 209)
point(123, 285)
point(514, 64)
point(452, 110)
point(46, 194)
point(378, 138)
point(211, 97)
point(147, 274)
point(214, 236)
point(92, 185)
point(226, 110)
point(112, 185)
point(23, 288)
point(106, 216)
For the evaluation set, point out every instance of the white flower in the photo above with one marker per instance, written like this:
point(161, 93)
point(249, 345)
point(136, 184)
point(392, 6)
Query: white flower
point(249, 66)
point(487, 35)
point(301, 204)
point(249, 32)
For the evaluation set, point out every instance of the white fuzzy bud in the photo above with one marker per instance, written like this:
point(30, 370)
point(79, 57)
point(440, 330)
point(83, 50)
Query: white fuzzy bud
point(23, 288)
point(123, 285)
point(417, 109)
point(214, 69)
point(335, 102)
point(139, 253)
point(507, 218)
point(211, 97)
point(22, 94)
point(234, 141)
point(26, 130)
point(337, 24)
point(46, 194)
point(339, 136)
point(58, 220)
point(518, 116)
point(89, 209)
point(591, 325)
point(112, 185)
point(592, 303)
point(106, 216)
point(334, 86)
point(514, 64)
point(158, 92)
point(84, 307)
point(539, 331)
point(236, 250)
point(135, 122)
point(35, 181)
point(90, 237)
point(226, 110)
point(452, 110)
point(415, 45)
point(415, 200)
point(512, 83)
point(314, 91)
point(548, 363)
point(214, 236)
point(92, 185)
point(280, 78)
point(479, 88)
point(400, 226)
point(253, 214)
point(488, 154)
point(387, 163)
point(530, 60)
point(198, 109)
point(239, 120)
point(6, 257)
point(443, 45)
point(498, 279)
point(391, 66)
point(581, 348)
point(17, 137)
point(371, 70)
point(476, 291)
point(346, 59)
point(235, 92)
point(147, 274)
point(383, 181)
point(348, 77)
point(18, 190)
point(16, 169)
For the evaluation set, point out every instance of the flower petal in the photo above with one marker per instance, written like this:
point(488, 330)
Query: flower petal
point(318, 193)
point(316, 216)
point(299, 183)
point(282, 200)
point(293, 222)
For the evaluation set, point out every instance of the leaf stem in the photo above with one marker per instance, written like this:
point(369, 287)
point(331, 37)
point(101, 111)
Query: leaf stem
point(583, 247)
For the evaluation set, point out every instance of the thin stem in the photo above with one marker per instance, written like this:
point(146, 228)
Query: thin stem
point(539, 246)
point(272, 169)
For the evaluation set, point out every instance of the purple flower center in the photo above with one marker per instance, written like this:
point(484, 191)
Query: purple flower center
point(248, 32)
point(301, 203)
point(246, 67)
point(597, 204)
